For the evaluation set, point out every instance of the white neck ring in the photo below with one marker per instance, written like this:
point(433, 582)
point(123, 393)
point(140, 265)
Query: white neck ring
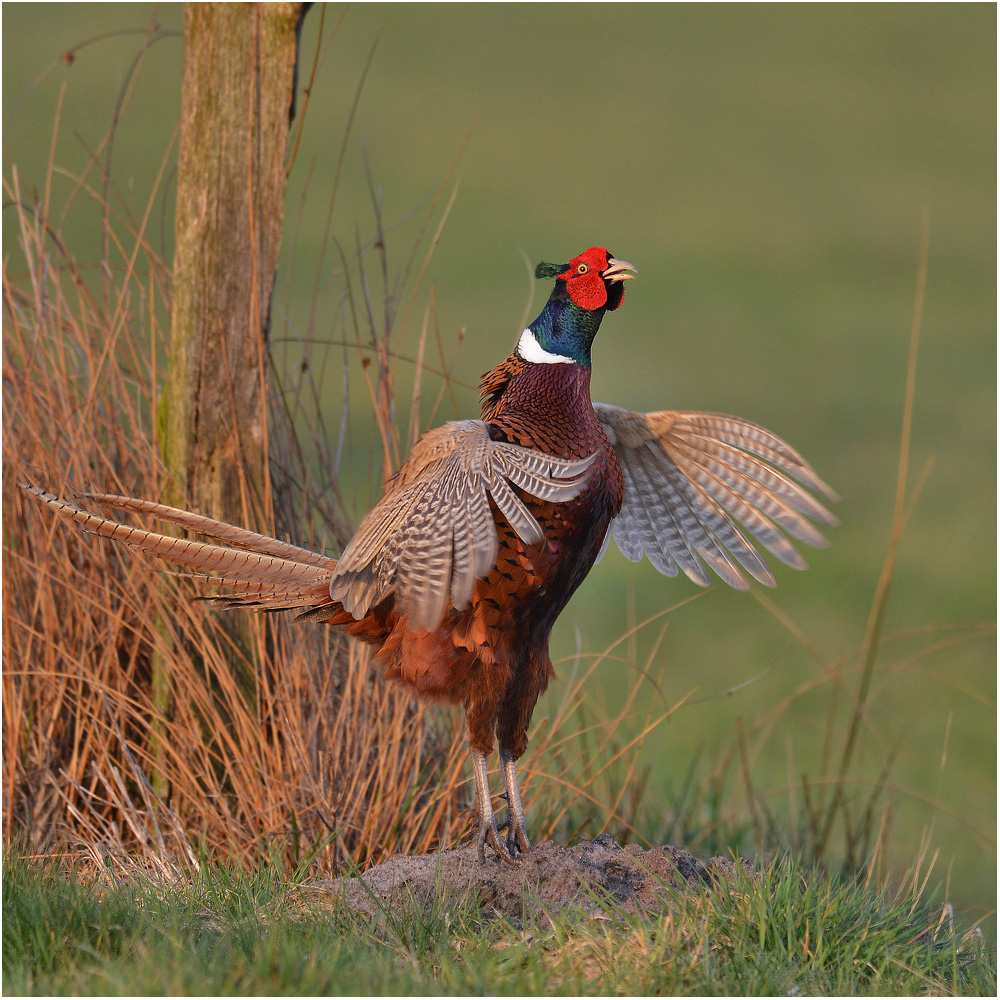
point(529, 349)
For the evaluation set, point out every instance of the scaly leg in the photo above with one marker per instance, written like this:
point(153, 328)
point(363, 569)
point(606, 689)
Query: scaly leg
point(517, 833)
point(488, 832)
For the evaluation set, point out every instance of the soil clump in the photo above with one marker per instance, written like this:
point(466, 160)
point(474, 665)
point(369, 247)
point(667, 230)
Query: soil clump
point(594, 876)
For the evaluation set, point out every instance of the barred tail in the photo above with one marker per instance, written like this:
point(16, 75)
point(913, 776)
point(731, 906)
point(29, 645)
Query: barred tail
point(261, 572)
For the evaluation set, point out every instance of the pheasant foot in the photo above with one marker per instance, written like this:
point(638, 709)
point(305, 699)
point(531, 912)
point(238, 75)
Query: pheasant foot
point(517, 831)
point(488, 830)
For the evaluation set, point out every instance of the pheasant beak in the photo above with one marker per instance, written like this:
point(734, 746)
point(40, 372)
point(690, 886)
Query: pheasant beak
point(618, 270)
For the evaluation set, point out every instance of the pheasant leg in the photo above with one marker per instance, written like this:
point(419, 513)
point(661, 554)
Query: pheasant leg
point(488, 832)
point(517, 832)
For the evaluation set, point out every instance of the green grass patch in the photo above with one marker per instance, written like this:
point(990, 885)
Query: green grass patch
point(789, 931)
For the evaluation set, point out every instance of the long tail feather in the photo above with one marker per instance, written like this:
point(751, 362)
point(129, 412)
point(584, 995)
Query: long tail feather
point(240, 537)
point(263, 573)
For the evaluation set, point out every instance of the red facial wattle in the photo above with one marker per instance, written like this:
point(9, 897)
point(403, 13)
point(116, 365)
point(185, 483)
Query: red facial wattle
point(595, 280)
point(583, 279)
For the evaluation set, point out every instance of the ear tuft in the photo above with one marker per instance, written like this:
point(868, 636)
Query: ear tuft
point(544, 270)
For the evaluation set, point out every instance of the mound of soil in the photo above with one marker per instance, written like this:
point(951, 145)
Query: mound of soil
point(582, 877)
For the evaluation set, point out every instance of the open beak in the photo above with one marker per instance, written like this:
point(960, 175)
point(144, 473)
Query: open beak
point(618, 270)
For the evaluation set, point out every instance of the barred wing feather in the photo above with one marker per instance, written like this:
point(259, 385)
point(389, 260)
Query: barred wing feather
point(432, 536)
point(697, 484)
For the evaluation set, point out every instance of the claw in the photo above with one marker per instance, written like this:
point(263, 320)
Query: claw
point(490, 834)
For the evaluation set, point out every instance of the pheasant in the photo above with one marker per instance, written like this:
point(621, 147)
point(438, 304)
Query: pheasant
point(460, 571)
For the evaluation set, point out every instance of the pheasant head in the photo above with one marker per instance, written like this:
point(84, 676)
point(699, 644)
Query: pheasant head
point(586, 288)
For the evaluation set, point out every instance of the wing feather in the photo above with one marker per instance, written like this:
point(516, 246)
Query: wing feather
point(692, 480)
point(736, 465)
point(667, 527)
point(757, 440)
point(463, 569)
point(433, 534)
point(628, 531)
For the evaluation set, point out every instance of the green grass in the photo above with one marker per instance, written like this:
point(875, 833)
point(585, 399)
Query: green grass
point(229, 932)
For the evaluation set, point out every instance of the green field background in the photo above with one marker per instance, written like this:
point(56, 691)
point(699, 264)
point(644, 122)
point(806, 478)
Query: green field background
point(767, 170)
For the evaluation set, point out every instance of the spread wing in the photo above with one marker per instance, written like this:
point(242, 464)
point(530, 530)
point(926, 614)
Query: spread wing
point(696, 484)
point(432, 535)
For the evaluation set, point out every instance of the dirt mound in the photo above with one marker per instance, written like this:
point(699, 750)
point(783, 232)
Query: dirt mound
point(581, 877)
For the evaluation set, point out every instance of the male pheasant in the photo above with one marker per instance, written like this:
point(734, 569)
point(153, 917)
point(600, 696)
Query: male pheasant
point(460, 571)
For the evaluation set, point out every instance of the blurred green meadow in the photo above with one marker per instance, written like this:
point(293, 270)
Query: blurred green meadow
point(768, 170)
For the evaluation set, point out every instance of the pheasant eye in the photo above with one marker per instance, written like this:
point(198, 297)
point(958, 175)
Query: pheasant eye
point(582, 268)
